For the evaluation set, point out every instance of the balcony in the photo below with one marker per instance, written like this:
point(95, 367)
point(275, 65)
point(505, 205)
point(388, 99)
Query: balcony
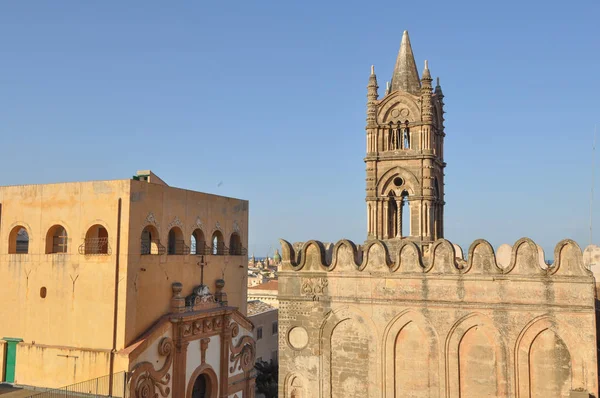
point(178, 247)
point(95, 247)
point(152, 247)
point(200, 248)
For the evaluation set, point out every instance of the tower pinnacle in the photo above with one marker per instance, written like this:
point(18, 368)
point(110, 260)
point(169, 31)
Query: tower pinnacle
point(406, 77)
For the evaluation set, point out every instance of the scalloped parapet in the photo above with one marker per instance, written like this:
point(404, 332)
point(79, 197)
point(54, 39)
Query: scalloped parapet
point(442, 257)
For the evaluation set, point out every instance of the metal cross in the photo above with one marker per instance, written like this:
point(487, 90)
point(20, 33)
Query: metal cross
point(202, 263)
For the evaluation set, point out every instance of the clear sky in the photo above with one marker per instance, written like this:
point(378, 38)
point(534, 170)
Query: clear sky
point(268, 97)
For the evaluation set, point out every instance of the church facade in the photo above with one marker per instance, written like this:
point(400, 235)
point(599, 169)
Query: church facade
point(406, 314)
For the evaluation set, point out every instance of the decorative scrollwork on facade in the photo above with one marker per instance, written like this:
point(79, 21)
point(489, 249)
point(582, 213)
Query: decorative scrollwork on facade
point(146, 382)
point(175, 223)
point(235, 329)
point(198, 224)
point(243, 355)
point(150, 219)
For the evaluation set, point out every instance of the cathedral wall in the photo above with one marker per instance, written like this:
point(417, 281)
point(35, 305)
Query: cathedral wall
point(381, 324)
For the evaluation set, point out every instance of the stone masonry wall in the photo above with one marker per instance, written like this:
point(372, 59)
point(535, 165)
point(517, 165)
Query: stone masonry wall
point(377, 321)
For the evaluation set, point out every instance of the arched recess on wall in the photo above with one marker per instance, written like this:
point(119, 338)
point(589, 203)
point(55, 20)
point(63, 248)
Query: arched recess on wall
point(176, 242)
point(150, 242)
point(345, 336)
point(96, 241)
point(544, 362)
point(295, 387)
point(401, 102)
point(411, 362)
point(218, 243)
point(203, 377)
point(198, 242)
point(18, 240)
point(387, 181)
point(57, 240)
point(235, 244)
point(476, 359)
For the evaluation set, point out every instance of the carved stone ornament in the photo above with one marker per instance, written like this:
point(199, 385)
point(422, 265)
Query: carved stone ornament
point(199, 327)
point(150, 219)
point(146, 382)
point(198, 223)
point(236, 227)
point(218, 226)
point(243, 355)
point(176, 223)
point(203, 347)
point(312, 287)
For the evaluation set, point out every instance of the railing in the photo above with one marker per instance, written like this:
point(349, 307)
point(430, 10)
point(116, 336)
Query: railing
point(238, 251)
point(200, 248)
point(22, 247)
point(95, 247)
point(219, 249)
point(178, 247)
point(152, 247)
point(99, 387)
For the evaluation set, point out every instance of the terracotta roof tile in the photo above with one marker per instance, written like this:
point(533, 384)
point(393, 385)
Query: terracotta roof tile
point(270, 285)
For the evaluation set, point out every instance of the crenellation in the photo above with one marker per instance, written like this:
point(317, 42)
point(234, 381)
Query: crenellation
point(442, 258)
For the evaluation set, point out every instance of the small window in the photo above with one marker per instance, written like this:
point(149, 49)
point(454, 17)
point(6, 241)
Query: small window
point(274, 328)
point(18, 241)
point(259, 333)
point(56, 240)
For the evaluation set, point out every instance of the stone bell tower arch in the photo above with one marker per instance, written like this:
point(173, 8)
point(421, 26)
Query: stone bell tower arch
point(405, 154)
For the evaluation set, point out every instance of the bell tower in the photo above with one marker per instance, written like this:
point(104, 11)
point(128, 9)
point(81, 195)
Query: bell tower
point(405, 154)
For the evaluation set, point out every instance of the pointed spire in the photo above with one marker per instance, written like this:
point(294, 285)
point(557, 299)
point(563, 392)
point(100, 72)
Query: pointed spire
point(406, 77)
point(387, 88)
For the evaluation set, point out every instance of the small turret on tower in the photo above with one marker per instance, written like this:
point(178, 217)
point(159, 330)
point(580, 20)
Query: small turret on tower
point(372, 95)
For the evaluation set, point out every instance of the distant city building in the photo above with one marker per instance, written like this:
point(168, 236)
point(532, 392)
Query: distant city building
point(264, 319)
point(266, 292)
point(405, 314)
point(106, 277)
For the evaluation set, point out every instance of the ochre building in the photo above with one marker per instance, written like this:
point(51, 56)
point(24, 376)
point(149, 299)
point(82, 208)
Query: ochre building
point(405, 314)
point(106, 277)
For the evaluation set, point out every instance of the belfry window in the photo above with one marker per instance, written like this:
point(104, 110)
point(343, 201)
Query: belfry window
point(405, 209)
point(406, 138)
point(392, 216)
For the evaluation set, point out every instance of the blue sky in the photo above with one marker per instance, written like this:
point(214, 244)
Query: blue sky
point(269, 98)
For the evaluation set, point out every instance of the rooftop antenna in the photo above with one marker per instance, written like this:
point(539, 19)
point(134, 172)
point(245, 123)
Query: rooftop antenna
point(592, 192)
